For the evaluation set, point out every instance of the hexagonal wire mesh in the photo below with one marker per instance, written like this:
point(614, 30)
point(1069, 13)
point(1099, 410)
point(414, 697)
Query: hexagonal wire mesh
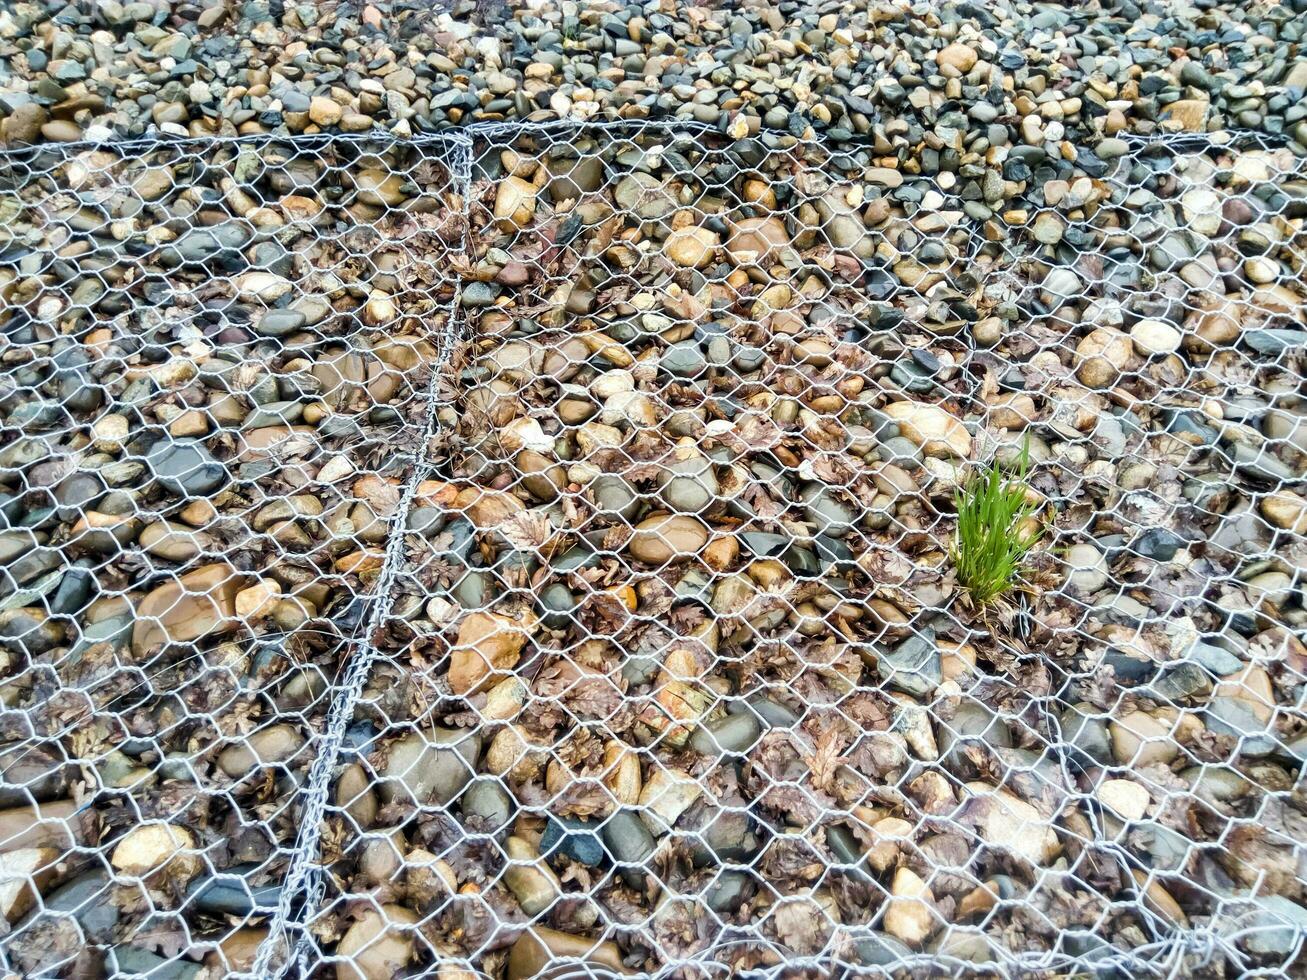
point(218, 363)
point(588, 608)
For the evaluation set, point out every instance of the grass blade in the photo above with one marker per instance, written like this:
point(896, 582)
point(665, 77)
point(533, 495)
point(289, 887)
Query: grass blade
point(990, 544)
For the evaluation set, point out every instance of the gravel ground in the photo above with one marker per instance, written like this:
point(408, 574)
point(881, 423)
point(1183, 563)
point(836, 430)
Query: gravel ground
point(478, 492)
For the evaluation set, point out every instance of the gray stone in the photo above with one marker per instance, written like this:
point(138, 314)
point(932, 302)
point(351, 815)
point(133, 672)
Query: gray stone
point(684, 359)
point(185, 468)
point(1086, 732)
point(475, 589)
point(87, 899)
point(218, 244)
point(614, 497)
point(559, 605)
point(646, 195)
point(1272, 926)
point(1214, 659)
point(578, 839)
point(628, 842)
point(914, 666)
point(430, 767)
point(729, 890)
point(732, 734)
point(487, 806)
point(882, 950)
point(125, 960)
point(230, 893)
point(477, 294)
point(689, 485)
point(1233, 716)
point(847, 849)
point(279, 323)
point(830, 515)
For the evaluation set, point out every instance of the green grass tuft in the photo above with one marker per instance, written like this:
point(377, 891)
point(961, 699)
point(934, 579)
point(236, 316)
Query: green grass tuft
point(989, 548)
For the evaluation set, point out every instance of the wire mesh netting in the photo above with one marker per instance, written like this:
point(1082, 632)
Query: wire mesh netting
point(218, 364)
point(528, 552)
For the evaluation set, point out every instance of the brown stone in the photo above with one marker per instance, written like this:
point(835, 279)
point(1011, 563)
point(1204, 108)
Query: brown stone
point(46, 825)
point(1159, 899)
point(173, 542)
point(324, 111)
point(488, 645)
point(24, 873)
point(536, 954)
point(515, 203)
point(932, 428)
point(236, 953)
point(1190, 114)
point(61, 131)
point(1101, 356)
point(756, 240)
point(186, 608)
point(376, 946)
point(1139, 739)
point(908, 914)
point(24, 124)
point(691, 247)
point(666, 537)
point(158, 848)
point(957, 56)
point(1005, 821)
point(1253, 687)
point(276, 440)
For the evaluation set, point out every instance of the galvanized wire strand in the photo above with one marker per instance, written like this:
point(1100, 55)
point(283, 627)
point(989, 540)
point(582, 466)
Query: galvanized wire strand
point(304, 885)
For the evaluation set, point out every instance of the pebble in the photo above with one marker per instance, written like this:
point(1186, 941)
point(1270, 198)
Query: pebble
point(271, 745)
point(1155, 337)
point(194, 605)
point(488, 645)
point(1139, 739)
point(575, 838)
point(914, 666)
point(661, 538)
point(908, 913)
point(377, 945)
point(185, 468)
point(420, 770)
point(1124, 797)
point(158, 849)
point(932, 428)
point(531, 881)
point(1088, 568)
point(1272, 926)
point(1006, 822)
point(1101, 357)
point(539, 947)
